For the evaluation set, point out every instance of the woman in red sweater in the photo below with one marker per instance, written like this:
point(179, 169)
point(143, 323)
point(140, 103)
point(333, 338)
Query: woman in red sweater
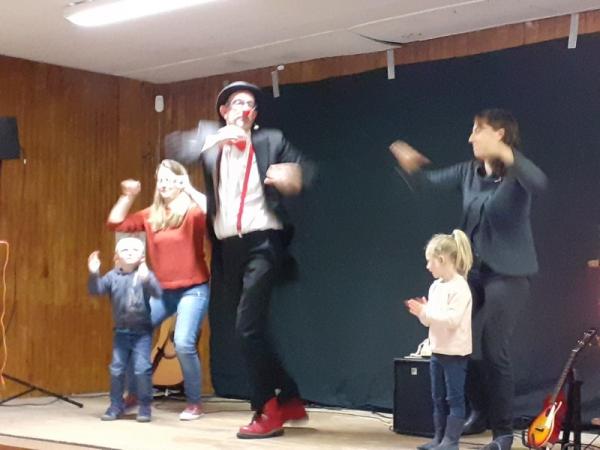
point(175, 228)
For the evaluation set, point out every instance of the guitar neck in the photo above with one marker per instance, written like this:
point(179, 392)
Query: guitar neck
point(563, 375)
point(587, 337)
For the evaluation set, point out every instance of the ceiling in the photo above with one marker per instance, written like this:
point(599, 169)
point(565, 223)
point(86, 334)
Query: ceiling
point(225, 36)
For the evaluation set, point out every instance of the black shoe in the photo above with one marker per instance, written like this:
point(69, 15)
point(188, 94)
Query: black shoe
point(476, 423)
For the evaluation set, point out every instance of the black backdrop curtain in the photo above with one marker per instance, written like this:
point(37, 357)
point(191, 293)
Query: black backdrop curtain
point(361, 232)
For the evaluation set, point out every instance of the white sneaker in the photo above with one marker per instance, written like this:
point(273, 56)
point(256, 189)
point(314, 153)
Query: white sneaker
point(192, 412)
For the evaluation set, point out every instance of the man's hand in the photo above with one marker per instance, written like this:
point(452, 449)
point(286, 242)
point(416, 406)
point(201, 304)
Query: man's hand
point(285, 177)
point(130, 188)
point(94, 262)
point(408, 158)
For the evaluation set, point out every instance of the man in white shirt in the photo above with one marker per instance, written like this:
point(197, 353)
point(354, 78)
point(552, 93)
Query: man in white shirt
point(247, 172)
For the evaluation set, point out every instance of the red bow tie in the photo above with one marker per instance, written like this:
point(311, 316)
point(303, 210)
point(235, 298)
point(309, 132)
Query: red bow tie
point(240, 144)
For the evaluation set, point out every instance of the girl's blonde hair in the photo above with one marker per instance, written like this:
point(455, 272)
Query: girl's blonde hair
point(455, 246)
point(158, 218)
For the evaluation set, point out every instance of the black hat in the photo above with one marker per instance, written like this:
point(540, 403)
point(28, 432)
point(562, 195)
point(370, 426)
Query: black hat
point(235, 87)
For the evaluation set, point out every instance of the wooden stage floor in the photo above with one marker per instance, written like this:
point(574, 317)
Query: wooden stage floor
point(42, 423)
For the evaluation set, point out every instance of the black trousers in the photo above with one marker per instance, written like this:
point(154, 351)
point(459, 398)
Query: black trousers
point(497, 303)
point(248, 267)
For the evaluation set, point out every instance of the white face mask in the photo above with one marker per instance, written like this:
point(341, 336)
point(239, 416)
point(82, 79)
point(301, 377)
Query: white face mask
point(130, 250)
point(168, 184)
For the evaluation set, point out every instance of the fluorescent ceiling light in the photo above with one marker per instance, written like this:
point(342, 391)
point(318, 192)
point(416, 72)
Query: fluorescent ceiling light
point(93, 13)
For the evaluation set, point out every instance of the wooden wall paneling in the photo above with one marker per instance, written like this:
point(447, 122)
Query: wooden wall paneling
point(75, 113)
point(60, 338)
point(12, 174)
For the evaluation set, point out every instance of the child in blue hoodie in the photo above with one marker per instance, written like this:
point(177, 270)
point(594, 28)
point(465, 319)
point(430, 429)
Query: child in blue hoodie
point(129, 285)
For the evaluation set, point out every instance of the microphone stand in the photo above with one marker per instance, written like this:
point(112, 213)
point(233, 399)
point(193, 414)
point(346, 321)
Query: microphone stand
point(32, 388)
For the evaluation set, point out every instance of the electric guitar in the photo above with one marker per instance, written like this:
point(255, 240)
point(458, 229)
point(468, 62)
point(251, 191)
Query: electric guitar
point(166, 371)
point(545, 428)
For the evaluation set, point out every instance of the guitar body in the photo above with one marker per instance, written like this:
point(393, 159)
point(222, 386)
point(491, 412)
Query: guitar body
point(545, 428)
point(166, 371)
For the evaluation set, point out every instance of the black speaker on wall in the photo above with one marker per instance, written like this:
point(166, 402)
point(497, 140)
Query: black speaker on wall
point(413, 406)
point(9, 138)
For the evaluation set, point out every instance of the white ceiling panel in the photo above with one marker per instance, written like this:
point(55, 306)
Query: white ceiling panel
point(226, 36)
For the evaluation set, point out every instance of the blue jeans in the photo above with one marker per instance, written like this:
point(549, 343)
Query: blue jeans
point(448, 374)
point(133, 350)
point(191, 305)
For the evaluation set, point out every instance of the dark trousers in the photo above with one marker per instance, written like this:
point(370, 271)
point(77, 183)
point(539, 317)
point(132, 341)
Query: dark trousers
point(497, 303)
point(249, 267)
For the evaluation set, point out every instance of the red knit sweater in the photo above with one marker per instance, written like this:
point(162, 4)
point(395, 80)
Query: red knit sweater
point(176, 254)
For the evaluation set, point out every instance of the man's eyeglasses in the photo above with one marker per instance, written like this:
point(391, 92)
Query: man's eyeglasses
point(239, 103)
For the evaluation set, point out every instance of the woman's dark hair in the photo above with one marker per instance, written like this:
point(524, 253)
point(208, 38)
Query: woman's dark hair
point(500, 118)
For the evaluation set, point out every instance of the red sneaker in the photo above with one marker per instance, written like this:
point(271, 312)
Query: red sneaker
point(293, 411)
point(265, 425)
point(130, 403)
